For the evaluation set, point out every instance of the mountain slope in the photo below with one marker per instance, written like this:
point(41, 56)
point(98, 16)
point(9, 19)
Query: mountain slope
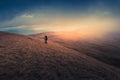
point(28, 58)
point(105, 49)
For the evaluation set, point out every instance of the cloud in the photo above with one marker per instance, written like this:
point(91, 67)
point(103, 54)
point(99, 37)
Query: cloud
point(12, 8)
point(40, 22)
point(54, 15)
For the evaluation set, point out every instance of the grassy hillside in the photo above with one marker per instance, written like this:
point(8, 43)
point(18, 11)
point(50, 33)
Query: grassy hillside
point(105, 49)
point(29, 58)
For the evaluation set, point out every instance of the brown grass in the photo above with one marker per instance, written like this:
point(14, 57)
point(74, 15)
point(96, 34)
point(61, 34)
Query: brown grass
point(28, 58)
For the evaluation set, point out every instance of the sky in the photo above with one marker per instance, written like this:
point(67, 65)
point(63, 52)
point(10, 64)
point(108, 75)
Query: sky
point(37, 16)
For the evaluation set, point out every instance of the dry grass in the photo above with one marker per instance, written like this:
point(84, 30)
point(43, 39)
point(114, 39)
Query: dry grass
point(28, 58)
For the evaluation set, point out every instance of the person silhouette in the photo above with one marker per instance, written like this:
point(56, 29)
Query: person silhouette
point(45, 38)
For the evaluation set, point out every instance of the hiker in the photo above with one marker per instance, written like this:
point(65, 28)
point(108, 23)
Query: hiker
point(45, 38)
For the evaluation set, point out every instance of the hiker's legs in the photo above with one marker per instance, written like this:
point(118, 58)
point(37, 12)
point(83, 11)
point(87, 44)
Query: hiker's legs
point(45, 41)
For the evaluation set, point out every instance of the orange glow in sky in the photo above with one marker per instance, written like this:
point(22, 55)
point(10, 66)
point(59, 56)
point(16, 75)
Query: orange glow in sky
point(88, 24)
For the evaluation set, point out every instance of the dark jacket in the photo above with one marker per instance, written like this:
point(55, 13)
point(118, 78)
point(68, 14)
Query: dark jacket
point(46, 38)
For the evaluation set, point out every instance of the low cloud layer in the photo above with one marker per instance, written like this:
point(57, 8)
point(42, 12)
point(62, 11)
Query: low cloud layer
point(29, 17)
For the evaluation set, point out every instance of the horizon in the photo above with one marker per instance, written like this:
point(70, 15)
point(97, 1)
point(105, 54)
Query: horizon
point(59, 39)
point(85, 16)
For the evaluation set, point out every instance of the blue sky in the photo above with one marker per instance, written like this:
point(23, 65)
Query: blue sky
point(35, 16)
